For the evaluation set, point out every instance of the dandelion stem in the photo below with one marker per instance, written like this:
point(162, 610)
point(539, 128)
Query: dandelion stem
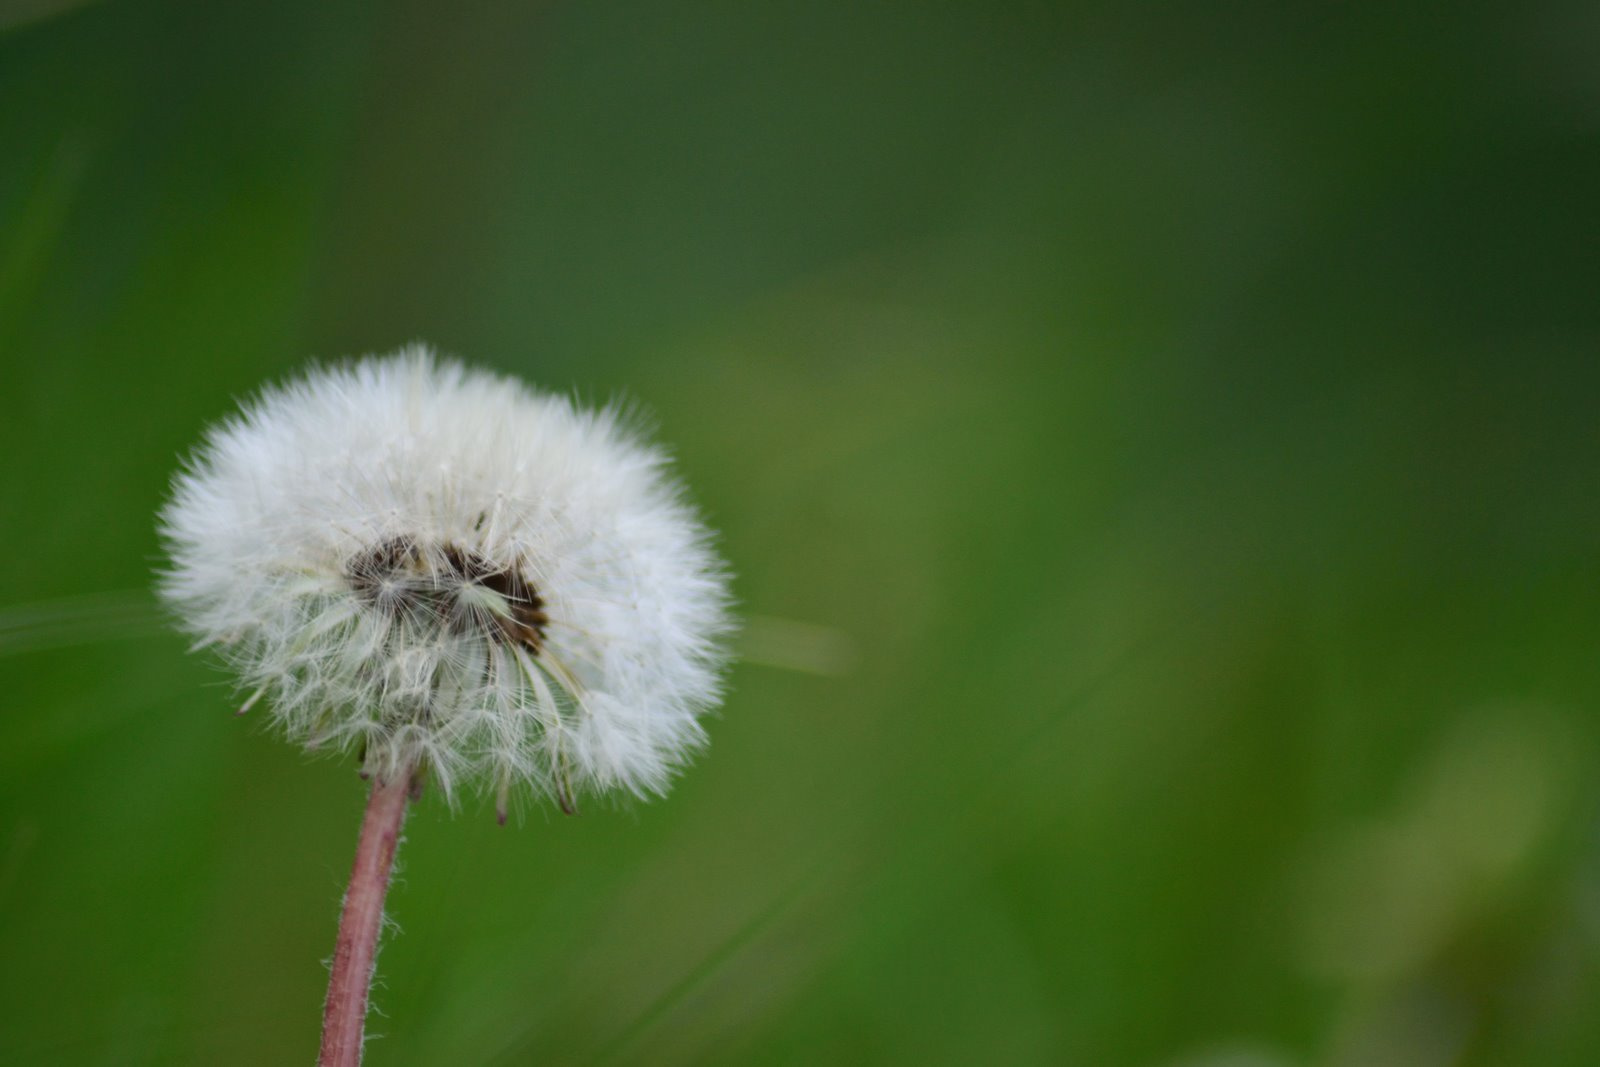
point(344, 1016)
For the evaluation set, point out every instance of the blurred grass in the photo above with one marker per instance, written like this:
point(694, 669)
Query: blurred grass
point(1183, 416)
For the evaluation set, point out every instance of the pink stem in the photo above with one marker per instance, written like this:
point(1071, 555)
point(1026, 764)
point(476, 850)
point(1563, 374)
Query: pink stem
point(344, 1016)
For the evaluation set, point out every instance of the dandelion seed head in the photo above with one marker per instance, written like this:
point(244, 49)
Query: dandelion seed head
point(439, 566)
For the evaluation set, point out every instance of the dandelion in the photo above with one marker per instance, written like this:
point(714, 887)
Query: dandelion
point(451, 575)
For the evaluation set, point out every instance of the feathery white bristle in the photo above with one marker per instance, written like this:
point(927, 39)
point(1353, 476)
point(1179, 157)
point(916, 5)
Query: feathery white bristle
point(444, 567)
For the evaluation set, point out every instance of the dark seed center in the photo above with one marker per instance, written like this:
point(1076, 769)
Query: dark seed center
point(400, 576)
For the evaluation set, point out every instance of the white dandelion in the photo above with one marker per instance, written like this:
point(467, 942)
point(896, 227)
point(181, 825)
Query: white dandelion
point(450, 573)
point(440, 567)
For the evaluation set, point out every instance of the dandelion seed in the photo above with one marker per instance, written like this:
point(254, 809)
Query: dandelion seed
point(377, 549)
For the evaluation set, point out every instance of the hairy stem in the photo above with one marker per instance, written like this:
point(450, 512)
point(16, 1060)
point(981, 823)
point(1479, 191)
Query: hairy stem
point(344, 1016)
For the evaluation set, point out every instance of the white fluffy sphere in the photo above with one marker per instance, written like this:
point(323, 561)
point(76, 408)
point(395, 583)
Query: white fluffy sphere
point(440, 567)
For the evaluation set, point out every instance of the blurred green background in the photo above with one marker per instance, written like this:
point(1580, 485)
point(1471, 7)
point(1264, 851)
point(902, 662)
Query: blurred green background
point(1157, 446)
